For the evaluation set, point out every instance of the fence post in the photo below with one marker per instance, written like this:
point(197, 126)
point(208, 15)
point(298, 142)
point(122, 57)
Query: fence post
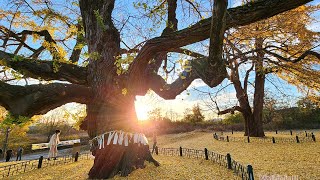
point(297, 138)
point(232, 131)
point(40, 162)
point(273, 140)
point(276, 131)
point(227, 138)
point(306, 133)
point(25, 166)
point(157, 151)
point(250, 172)
point(180, 151)
point(229, 161)
point(9, 171)
point(313, 137)
point(206, 153)
point(248, 139)
point(76, 157)
point(291, 132)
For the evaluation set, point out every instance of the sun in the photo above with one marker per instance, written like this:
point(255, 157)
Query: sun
point(142, 111)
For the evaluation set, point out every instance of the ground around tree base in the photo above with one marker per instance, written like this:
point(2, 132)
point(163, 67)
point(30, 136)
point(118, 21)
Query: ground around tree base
point(171, 168)
point(300, 160)
point(295, 160)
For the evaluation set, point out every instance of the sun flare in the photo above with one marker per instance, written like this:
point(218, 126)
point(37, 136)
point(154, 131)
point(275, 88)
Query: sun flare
point(142, 111)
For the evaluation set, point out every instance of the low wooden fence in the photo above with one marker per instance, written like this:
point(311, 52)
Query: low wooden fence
point(296, 139)
point(244, 172)
point(25, 166)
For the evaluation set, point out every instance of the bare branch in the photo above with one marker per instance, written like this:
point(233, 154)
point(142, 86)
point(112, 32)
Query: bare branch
point(188, 52)
point(194, 7)
point(245, 82)
point(230, 110)
point(301, 57)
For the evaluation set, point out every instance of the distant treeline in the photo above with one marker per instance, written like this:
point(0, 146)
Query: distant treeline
point(285, 118)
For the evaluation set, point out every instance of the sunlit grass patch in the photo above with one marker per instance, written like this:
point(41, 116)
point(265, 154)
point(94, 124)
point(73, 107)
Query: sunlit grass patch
point(170, 168)
point(302, 159)
point(286, 159)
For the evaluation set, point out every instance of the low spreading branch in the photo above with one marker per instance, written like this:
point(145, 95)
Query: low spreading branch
point(39, 99)
point(45, 70)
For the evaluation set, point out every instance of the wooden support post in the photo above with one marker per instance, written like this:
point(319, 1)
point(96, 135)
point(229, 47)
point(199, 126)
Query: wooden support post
point(76, 157)
point(180, 151)
point(232, 131)
point(291, 132)
point(273, 140)
point(250, 172)
point(227, 138)
point(276, 131)
point(157, 150)
point(306, 133)
point(40, 162)
point(206, 153)
point(297, 138)
point(248, 139)
point(229, 161)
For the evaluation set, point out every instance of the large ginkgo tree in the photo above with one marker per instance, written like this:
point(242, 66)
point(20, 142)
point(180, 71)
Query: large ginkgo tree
point(36, 39)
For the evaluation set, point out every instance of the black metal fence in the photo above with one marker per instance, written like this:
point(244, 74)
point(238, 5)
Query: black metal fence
point(244, 172)
point(25, 166)
point(294, 139)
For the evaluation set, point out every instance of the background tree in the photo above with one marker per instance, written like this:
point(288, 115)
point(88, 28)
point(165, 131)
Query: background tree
point(113, 73)
point(155, 114)
point(13, 125)
point(195, 116)
point(283, 46)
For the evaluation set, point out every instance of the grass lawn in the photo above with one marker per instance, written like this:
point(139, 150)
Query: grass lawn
point(171, 168)
point(286, 159)
point(291, 159)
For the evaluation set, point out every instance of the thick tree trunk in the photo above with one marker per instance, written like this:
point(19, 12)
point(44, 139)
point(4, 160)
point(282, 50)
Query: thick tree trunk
point(116, 159)
point(258, 92)
point(252, 128)
point(110, 109)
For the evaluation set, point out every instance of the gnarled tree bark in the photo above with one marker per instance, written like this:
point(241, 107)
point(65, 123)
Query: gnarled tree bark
point(39, 99)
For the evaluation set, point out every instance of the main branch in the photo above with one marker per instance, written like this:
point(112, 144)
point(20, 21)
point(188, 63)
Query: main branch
point(45, 70)
point(39, 99)
point(239, 16)
point(170, 91)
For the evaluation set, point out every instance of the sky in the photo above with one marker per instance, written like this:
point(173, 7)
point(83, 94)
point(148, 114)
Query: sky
point(275, 87)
